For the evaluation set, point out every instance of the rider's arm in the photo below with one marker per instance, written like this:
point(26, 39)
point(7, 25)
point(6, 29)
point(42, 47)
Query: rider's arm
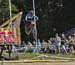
point(28, 18)
point(36, 18)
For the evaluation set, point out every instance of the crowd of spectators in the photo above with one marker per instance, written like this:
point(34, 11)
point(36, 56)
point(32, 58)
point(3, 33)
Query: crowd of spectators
point(60, 44)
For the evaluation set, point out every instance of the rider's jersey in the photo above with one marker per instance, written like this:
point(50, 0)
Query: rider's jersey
point(29, 16)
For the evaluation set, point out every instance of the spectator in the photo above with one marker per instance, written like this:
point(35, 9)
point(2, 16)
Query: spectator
point(29, 43)
point(23, 44)
point(38, 43)
point(14, 51)
point(74, 43)
point(34, 46)
point(63, 44)
point(58, 43)
point(70, 44)
point(45, 46)
point(29, 47)
point(49, 42)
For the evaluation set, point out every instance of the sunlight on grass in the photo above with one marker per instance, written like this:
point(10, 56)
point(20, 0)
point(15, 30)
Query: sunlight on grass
point(39, 56)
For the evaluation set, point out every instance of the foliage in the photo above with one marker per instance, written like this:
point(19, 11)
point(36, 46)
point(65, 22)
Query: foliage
point(50, 12)
point(4, 10)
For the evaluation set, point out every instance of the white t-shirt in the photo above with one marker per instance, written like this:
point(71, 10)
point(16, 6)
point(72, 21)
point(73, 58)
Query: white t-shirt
point(58, 40)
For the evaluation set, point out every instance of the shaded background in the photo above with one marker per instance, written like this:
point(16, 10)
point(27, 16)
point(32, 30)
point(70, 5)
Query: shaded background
point(55, 16)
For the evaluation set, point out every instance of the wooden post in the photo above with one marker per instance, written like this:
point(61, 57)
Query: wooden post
point(15, 35)
point(2, 36)
point(19, 36)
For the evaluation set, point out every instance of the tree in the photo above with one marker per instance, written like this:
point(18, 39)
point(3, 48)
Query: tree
point(4, 10)
point(50, 13)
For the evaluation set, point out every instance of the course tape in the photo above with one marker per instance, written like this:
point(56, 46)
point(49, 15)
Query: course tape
point(30, 61)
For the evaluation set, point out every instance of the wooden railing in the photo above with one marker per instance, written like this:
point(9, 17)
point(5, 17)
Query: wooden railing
point(11, 35)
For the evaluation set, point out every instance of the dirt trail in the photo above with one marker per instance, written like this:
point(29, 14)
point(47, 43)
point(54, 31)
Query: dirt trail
point(41, 63)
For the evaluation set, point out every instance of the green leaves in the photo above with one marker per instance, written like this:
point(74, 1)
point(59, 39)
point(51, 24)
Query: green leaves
point(49, 12)
point(4, 10)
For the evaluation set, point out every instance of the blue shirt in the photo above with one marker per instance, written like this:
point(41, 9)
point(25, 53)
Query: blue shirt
point(29, 16)
point(38, 44)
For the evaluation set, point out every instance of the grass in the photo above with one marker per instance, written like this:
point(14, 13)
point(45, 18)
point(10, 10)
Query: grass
point(27, 55)
point(35, 56)
point(62, 55)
